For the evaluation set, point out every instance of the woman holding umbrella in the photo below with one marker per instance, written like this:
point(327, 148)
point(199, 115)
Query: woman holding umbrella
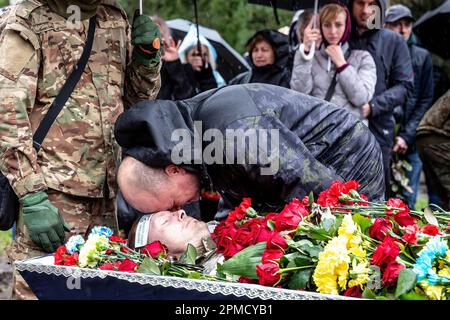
point(337, 74)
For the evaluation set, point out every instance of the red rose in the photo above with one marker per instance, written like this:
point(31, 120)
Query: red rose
point(386, 252)
point(232, 248)
point(354, 292)
point(272, 256)
point(290, 217)
point(155, 249)
point(127, 266)
point(267, 274)
point(379, 228)
point(117, 239)
point(277, 242)
point(117, 264)
point(296, 206)
point(305, 201)
point(107, 266)
point(244, 237)
point(240, 212)
point(390, 274)
point(246, 280)
point(430, 230)
point(265, 234)
point(410, 235)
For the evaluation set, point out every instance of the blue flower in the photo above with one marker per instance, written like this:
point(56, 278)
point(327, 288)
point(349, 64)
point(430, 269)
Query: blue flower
point(101, 231)
point(74, 244)
point(435, 247)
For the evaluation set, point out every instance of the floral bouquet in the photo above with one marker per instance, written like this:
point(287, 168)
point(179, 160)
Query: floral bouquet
point(102, 250)
point(341, 244)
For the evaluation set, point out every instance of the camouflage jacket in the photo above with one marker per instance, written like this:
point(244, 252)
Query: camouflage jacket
point(38, 50)
point(437, 118)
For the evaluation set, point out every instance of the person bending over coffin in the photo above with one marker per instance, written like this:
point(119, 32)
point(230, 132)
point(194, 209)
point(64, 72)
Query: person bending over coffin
point(294, 144)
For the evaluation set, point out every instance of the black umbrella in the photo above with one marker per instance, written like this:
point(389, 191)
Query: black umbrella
point(229, 62)
point(292, 5)
point(433, 30)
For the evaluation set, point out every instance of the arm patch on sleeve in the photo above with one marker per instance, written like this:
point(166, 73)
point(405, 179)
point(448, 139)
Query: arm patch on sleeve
point(15, 53)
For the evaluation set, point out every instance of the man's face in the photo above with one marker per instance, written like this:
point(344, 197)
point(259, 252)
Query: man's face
point(362, 11)
point(180, 188)
point(176, 230)
point(403, 26)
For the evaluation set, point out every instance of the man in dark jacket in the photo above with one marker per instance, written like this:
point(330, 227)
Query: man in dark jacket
point(400, 19)
point(394, 71)
point(288, 144)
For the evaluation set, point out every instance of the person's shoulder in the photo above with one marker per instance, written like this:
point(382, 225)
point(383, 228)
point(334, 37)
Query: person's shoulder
point(241, 78)
point(420, 51)
point(114, 8)
point(390, 37)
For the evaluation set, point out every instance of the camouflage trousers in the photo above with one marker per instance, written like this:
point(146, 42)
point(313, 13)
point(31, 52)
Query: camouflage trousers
point(434, 151)
point(79, 212)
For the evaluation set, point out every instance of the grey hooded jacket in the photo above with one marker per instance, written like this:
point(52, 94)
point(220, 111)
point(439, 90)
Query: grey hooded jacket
point(355, 84)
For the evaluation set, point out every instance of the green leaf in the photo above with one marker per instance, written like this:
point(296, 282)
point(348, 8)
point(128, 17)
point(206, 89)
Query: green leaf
point(189, 256)
point(363, 222)
point(194, 275)
point(406, 282)
point(300, 279)
point(368, 294)
point(149, 266)
point(311, 199)
point(430, 217)
point(412, 296)
point(271, 225)
point(244, 262)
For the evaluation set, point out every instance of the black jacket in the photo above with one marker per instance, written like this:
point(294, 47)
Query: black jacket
point(421, 99)
point(180, 81)
point(279, 73)
point(318, 142)
point(394, 75)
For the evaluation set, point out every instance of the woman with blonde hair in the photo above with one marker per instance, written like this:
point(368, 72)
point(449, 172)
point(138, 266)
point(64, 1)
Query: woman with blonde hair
point(345, 77)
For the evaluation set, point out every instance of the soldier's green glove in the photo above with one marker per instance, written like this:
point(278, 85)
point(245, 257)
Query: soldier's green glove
point(146, 39)
point(45, 225)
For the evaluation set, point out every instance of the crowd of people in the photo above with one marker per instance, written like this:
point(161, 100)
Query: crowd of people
point(344, 96)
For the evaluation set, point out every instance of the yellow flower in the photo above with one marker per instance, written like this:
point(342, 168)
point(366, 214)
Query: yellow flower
point(348, 227)
point(359, 274)
point(433, 292)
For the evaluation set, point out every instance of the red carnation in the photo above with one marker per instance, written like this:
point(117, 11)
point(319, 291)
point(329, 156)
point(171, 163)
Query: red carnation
point(410, 235)
point(431, 230)
point(354, 292)
point(277, 242)
point(272, 256)
point(155, 249)
point(127, 266)
point(117, 239)
point(267, 274)
point(240, 212)
point(63, 258)
point(379, 228)
point(390, 274)
point(386, 252)
point(404, 219)
point(107, 266)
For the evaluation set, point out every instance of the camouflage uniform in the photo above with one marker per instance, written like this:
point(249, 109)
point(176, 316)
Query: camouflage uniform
point(433, 142)
point(79, 157)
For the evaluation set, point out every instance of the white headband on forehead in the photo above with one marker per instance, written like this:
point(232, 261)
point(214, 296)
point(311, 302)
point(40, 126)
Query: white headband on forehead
point(141, 237)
